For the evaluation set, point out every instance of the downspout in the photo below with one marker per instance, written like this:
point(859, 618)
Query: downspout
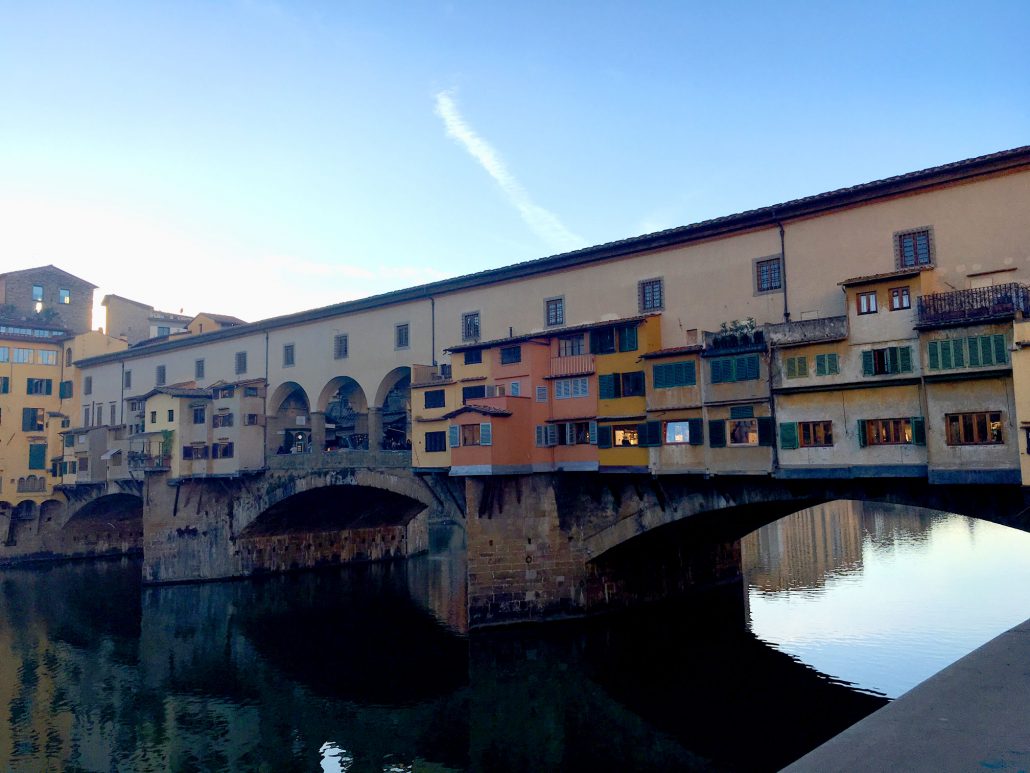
point(121, 396)
point(783, 271)
point(432, 328)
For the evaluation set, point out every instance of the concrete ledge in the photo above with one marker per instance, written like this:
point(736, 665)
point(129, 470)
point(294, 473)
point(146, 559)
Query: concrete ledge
point(973, 715)
point(976, 477)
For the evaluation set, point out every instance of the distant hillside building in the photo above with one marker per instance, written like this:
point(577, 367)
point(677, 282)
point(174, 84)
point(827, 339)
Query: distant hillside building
point(48, 294)
point(205, 323)
point(134, 322)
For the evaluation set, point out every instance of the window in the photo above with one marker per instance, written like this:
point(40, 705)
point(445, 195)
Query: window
point(198, 369)
point(633, 384)
point(252, 419)
point(127, 379)
point(900, 298)
point(221, 450)
point(625, 435)
point(472, 393)
point(37, 456)
point(32, 420)
point(566, 388)
point(23, 356)
point(684, 431)
point(914, 248)
point(885, 432)
point(225, 393)
point(171, 415)
point(476, 434)
point(570, 346)
point(221, 420)
point(554, 312)
point(5, 354)
point(806, 434)
point(340, 346)
point(470, 326)
point(769, 274)
point(5, 385)
point(724, 370)
point(153, 417)
point(541, 394)
point(966, 429)
point(796, 367)
point(515, 388)
point(64, 296)
point(866, 302)
point(435, 398)
point(67, 357)
point(827, 364)
point(436, 441)
point(163, 330)
point(974, 351)
point(87, 385)
point(674, 374)
point(893, 359)
point(288, 355)
point(241, 362)
point(742, 432)
point(602, 341)
point(47, 357)
point(473, 356)
point(627, 338)
point(159, 377)
point(37, 292)
point(39, 386)
point(199, 415)
point(400, 336)
point(511, 355)
point(250, 391)
point(650, 295)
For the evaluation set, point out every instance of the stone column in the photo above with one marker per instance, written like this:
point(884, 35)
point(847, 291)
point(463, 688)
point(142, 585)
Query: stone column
point(375, 429)
point(317, 432)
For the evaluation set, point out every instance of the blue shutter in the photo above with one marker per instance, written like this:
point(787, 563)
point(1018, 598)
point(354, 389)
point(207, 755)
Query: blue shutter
point(454, 435)
point(37, 456)
point(868, 368)
point(933, 355)
point(486, 434)
point(696, 432)
point(659, 376)
point(717, 433)
point(627, 338)
point(752, 368)
point(689, 373)
point(606, 386)
point(788, 435)
point(592, 432)
point(604, 436)
point(820, 365)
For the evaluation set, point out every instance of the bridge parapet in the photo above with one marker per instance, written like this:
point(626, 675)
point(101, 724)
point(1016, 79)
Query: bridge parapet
point(338, 460)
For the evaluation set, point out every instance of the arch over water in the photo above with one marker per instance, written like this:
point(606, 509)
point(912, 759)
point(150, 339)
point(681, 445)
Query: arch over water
point(109, 509)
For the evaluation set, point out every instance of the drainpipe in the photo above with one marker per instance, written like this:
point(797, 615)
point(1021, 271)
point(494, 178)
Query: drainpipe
point(783, 271)
point(432, 328)
point(121, 396)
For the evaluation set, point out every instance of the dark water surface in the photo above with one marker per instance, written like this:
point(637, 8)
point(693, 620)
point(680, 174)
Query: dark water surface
point(367, 669)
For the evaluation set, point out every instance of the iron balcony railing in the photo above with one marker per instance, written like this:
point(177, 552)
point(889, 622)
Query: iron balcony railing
point(974, 305)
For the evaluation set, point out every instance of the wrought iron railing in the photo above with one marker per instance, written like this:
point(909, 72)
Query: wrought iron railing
point(973, 305)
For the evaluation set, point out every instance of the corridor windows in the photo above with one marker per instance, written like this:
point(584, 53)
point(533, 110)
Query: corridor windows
point(400, 336)
point(436, 442)
point(886, 361)
point(769, 274)
point(650, 295)
point(289, 355)
point(160, 375)
point(886, 432)
point(198, 369)
point(241, 363)
point(914, 248)
point(340, 346)
point(866, 302)
point(554, 312)
point(900, 298)
point(967, 429)
point(470, 326)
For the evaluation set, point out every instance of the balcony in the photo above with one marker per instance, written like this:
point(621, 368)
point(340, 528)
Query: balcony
point(979, 304)
point(425, 375)
point(807, 331)
point(576, 365)
point(143, 461)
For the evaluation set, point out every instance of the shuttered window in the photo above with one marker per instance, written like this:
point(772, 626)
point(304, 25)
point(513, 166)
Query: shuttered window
point(689, 431)
point(37, 456)
point(486, 434)
point(717, 433)
point(609, 386)
point(797, 367)
point(827, 364)
point(889, 360)
point(650, 433)
point(604, 436)
point(727, 369)
point(454, 435)
point(675, 374)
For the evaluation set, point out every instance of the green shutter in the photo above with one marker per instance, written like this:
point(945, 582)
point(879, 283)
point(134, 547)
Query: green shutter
point(627, 338)
point(946, 363)
point(788, 435)
point(65, 390)
point(766, 431)
point(999, 350)
point(37, 456)
point(742, 412)
point(604, 436)
point(659, 376)
point(933, 355)
point(867, 363)
point(792, 367)
point(650, 433)
point(832, 363)
point(717, 433)
point(28, 419)
point(861, 433)
point(974, 352)
point(820, 365)
point(486, 434)
point(592, 432)
point(606, 386)
point(958, 352)
point(892, 359)
point(918, 431)
point(696, 431)
point(689, 373)
point(802, 367)
point(752, 367)
point(454, 435)
point(986, 351)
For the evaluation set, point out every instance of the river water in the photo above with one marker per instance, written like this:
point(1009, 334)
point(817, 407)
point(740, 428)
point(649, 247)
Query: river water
point(368, 669)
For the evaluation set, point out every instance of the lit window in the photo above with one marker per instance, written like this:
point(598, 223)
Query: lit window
point(37, 292)
point(866, 302)
point(742, 432)
point(887, 432)
point(64, 296)
point(625, 435)
point(965, 429)
point(554, 311)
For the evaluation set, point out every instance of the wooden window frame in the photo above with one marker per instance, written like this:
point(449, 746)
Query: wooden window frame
point(768, 274)
point(899, 238)
point(554, 311)
point(900, 298)
point(867, 302)
point(958, 422)
point(651, 294)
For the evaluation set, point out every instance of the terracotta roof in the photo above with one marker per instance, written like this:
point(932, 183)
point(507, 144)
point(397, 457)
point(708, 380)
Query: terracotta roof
point(899, 274)
point(223, 319)
point(672, 351)
point(486, 410)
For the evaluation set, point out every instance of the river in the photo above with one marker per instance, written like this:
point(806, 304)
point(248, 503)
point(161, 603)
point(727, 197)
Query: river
point(368, 668)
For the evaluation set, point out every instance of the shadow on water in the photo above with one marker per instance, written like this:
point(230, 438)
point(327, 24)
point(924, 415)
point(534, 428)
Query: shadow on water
point(262, 675)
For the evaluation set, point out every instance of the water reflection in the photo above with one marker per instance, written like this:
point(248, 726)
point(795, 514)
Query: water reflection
point(884, 596)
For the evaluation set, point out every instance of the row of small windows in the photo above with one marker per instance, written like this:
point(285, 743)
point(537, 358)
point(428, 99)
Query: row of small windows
point(868, 303)
point(35, 332)
point(63, 295)
point(825, 365)
point(23, 356)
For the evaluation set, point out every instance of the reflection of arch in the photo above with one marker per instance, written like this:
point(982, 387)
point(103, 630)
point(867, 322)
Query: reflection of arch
point(393, 398)
point(345, 409)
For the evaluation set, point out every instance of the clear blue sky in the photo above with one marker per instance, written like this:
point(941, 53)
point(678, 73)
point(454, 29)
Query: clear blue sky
point(256, 158)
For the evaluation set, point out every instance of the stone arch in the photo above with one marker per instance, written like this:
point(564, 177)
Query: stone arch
point(393, 402)
point(51, 510)
point(344, 410)
point(115, 507)
point(289, 419)
point(26, 510)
